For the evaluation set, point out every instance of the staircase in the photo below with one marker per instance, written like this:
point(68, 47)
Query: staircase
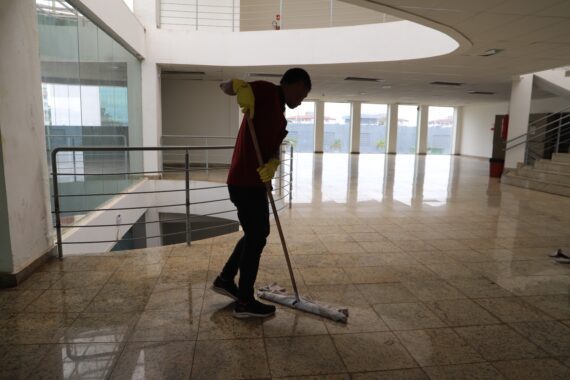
point(550, 176)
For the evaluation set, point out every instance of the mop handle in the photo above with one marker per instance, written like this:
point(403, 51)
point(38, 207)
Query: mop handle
point(272, 201)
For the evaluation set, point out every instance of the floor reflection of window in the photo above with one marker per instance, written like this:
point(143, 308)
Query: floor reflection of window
point(436, 180)
point(404, 178)
point(335, 178)
point(303, 184)
point(370, 177)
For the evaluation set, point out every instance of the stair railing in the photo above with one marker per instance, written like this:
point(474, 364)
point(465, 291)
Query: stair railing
point(548, 138)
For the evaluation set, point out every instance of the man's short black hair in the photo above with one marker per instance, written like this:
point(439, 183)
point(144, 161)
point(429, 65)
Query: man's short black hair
point(297, 75)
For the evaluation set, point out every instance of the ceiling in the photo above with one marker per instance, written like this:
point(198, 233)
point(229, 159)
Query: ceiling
point(533, 36)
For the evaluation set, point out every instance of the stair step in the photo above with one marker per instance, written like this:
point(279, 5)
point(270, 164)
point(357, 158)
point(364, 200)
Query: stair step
point(528, 183)
point(561, 157)
point(551, 166)
point(544, 175)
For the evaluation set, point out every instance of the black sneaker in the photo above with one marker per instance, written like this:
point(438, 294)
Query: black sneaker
point(253, 309)
point(227, 288)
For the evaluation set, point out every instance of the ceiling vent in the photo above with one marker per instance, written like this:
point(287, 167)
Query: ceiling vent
point(480, 92)
point(438, 83)
point(265, 75)
point(361, 79)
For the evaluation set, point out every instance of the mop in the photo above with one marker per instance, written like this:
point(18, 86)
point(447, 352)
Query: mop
point(274, 292)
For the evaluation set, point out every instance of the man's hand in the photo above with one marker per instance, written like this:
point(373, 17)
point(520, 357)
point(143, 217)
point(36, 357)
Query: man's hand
point(245, 97)
point(267, 171)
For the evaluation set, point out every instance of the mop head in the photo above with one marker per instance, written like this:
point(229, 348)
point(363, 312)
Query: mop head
point(277, 294)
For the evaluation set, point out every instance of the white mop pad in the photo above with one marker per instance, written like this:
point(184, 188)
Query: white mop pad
point(277, 294)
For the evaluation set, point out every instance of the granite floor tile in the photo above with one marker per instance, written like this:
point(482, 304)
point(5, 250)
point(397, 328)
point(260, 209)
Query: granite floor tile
point(101, 328)
point(475, 371)
point(512, 309)
point(438, 347)
point(386, 293)
point(372, 352)
point(461, 312)
point(303, 356)
point(499, 342)
point(401, 374)
point(155, 360)
point(165, 326)
point(408, 316)
point(432, 290)
point(552, 336)
point(531, 369)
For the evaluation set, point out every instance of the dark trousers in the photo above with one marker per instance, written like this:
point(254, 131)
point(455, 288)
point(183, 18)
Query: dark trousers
point(253, 214)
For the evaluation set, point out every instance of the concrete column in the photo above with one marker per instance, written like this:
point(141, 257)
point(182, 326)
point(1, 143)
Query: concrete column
point(519, 111)
point(319, 126)
point(25, 215)
point(421, 145)
point(152, 114)
point(392, 131)
point(355, 128)
point(457, 129)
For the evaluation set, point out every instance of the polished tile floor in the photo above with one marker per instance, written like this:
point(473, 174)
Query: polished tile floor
point(444, 270)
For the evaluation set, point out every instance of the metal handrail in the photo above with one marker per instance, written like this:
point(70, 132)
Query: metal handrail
point(283, 188)
point(547, 145)
point(537, 120)
point(535, 136)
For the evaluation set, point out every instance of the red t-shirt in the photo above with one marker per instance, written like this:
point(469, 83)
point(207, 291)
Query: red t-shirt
point(269, 123)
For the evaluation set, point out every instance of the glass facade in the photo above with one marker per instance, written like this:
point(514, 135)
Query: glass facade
point(337, 127)
point(91, 89)
point(301, 127)
point(373, 128)
point(440, 130)
point(407, 129)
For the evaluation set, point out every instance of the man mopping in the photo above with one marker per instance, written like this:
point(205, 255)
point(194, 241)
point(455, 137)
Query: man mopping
point(264, 103)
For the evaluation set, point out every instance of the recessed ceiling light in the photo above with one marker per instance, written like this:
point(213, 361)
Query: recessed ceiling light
point(386, 86)
point(491, 52)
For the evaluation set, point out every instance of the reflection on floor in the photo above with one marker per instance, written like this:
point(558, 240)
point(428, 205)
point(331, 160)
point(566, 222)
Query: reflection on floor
point(445, 272)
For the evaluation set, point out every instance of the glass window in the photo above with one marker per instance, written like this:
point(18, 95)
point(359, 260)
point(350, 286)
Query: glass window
point(440, 130)
point(301, 127)
point(407, 129)
point(337, 127)
point(373, 128)
point(91, 89)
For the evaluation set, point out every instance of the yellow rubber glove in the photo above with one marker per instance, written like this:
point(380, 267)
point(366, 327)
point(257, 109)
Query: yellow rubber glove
point(267, 171)
point(245, 97)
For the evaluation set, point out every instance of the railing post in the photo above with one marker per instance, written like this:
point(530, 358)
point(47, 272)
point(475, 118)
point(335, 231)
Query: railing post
point(56, 203)
point(282, 19)
point(233, 15)
point(207, 155)
point(291, 178)
point(558, 135)
point(187, 180)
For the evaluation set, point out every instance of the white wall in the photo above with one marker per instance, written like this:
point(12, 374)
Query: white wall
point(191, 107)
point(199, 108)
point(476, 134)
point(22, 138)
point(549, 105)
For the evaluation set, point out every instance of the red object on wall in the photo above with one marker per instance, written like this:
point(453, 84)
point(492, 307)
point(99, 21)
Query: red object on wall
point(505, 127)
